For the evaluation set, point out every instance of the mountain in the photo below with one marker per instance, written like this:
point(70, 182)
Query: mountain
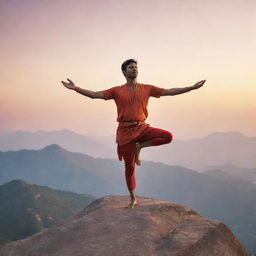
point(215, 149)
point(68, 139)
point(153, 228)
point(218, 148)
point(248, 174)
point(27, 208)
point(61, 169)
point(229, 200)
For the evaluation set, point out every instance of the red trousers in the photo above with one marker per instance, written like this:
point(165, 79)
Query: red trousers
point(155, 136)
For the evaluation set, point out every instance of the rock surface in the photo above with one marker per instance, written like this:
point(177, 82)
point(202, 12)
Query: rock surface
point(153, 228)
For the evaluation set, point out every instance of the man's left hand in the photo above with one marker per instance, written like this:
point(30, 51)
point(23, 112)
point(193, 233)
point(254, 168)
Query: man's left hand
point(198, 84)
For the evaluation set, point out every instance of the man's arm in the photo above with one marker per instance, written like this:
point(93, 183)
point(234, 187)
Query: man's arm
point(91, 94)
point(176, 91)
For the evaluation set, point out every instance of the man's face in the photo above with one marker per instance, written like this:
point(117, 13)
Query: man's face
point(131, 70)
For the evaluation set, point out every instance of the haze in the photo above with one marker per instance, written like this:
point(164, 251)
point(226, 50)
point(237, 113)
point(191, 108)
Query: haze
point(176, 43)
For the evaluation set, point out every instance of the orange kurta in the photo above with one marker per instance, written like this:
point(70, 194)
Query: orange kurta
point(131, 106)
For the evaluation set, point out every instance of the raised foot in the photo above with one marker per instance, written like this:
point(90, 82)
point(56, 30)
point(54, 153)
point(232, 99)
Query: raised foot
point(137, 153)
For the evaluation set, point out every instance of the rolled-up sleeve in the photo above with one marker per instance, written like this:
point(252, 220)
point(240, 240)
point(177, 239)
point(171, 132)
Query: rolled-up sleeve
point(109, 94)
point(155, 91)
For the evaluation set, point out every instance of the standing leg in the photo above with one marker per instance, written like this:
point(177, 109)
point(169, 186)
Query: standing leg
point(151, 137)
point(128, 153)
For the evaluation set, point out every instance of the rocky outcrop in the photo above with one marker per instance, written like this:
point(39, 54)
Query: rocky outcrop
point(153, 228)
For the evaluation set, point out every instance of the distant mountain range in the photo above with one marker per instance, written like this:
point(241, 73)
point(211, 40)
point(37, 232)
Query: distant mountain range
point(55, 167)
point(28, 208)
point(213, 195)
point(198, 154)
point(215, 149)
point(67, 139)
point(248, 174)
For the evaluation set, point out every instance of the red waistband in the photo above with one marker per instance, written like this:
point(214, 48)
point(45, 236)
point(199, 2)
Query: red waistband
point(127, 124)
point(133, 121)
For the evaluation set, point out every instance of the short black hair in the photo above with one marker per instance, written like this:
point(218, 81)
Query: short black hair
point(128, 62)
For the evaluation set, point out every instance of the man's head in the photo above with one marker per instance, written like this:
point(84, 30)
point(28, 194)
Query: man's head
point(129, 68)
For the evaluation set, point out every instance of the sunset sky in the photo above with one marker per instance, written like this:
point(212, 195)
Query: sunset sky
point(176, 43)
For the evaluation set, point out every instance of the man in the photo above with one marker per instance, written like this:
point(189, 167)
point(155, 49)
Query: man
point(133, 133)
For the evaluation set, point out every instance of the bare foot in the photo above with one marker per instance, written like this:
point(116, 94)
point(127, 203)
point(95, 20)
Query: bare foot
point(132, 204)
point(137, 153)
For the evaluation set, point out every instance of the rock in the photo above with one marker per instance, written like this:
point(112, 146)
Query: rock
point(153, 228)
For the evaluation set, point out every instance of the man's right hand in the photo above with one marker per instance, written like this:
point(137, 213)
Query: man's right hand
point(69, 85)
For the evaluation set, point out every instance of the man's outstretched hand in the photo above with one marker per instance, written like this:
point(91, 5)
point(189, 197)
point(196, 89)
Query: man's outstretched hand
point(69, 85)
point(198, 84)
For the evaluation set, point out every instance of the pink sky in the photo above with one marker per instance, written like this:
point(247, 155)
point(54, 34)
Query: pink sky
point(177, 43)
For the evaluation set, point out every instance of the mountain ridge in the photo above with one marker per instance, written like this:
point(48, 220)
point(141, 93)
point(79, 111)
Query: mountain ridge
point(27, 208)
point(212, 196)
point(214, 149)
